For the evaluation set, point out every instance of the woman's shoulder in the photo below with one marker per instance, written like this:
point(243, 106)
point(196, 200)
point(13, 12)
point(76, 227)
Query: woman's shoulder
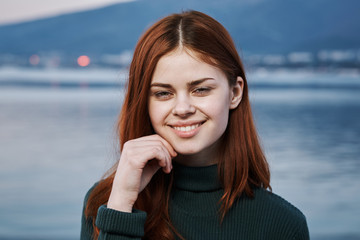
point(275, 215)
point(88, 193)
point(275, 203)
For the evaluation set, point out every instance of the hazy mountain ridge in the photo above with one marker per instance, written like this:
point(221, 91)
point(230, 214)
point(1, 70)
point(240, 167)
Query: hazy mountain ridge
point(262, 26)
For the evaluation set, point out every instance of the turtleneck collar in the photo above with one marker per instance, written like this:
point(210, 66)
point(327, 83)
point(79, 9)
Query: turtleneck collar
point(196, 179)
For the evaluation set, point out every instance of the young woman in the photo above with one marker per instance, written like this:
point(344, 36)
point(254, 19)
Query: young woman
point(191, 165)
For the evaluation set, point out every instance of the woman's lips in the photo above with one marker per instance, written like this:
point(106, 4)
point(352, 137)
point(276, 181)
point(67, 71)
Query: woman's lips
point(186, 131)
point(186, 128)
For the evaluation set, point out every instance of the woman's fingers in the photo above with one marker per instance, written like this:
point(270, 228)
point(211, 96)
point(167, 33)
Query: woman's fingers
point(145, 156)
point(157, 137)
point(138, 156)
point(140, 159)
point(167, 145)
point(150, 147)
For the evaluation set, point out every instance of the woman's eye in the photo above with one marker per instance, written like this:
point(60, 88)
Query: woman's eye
point(162, 94)
point(201, 90)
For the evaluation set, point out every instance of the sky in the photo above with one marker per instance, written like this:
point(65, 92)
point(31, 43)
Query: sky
point(14, 11)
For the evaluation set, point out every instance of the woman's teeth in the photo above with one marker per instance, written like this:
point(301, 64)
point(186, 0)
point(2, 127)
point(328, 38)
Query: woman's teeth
point(187, 128)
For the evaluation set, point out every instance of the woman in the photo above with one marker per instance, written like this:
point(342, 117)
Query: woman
point(187, 112)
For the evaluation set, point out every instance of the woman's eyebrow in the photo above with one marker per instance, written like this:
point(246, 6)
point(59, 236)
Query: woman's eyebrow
point(190, 84)
point(198, 81)
point(164, 85)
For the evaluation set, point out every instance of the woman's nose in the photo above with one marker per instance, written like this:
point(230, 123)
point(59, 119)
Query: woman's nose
point(183, 106)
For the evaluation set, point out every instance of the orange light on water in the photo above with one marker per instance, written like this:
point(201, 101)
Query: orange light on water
point(83, 61)
point(34, 59)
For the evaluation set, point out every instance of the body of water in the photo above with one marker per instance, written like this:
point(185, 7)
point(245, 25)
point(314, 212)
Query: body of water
point(56, 142)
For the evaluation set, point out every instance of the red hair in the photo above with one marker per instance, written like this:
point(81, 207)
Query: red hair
point(242, 166)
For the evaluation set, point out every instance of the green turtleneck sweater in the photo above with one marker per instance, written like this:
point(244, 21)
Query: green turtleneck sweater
point(194, 208)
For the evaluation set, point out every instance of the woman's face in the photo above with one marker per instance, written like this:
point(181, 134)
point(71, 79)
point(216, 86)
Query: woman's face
point(189, 102)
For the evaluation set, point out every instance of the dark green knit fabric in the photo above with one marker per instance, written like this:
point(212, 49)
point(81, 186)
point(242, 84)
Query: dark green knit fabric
point(194, 211)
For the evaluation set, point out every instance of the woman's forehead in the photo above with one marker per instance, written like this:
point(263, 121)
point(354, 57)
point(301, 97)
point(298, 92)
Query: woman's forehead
point(183, 65)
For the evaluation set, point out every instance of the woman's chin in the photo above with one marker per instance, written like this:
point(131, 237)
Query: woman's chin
point(185, 147)
point(186, 152)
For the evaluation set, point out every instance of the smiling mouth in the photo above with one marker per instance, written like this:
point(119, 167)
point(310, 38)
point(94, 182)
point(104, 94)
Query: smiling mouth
point(187, 128)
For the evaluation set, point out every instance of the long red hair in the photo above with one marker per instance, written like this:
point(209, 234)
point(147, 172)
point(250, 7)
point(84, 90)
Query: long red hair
point(242, 166)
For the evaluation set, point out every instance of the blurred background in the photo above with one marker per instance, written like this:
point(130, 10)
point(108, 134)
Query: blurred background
point(63, 66)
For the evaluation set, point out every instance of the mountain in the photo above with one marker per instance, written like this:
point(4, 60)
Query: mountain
point(257, 26)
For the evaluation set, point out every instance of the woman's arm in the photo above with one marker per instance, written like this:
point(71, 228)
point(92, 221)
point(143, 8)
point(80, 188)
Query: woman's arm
point(113, 224)
point(140, 159)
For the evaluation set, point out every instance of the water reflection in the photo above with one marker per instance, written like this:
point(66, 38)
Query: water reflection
point(56, 142)
point(311, 139)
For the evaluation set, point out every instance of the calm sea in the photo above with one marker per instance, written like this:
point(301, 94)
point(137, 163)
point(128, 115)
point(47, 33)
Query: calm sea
point(55, 142)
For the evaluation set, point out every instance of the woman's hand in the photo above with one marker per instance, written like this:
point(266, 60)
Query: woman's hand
point(140, 159)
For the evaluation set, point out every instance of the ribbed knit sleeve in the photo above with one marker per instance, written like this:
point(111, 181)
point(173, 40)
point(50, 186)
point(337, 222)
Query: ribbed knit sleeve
point(120, 225)
point(113, 225)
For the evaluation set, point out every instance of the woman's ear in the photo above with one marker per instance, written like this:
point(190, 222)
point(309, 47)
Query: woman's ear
point(236, 93)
